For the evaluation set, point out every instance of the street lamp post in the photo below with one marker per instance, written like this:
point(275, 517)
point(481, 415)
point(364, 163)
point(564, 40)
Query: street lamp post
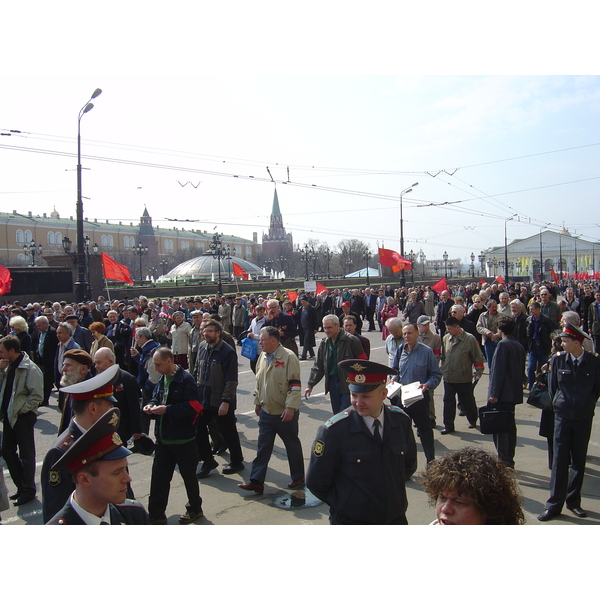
point(216, 247)
point(81, 285)
point(328, 255)
point(366, 257)
point(406, 191)
point(422, 258)
point(269, 265)
point(445, 257)
point(411, 257)
point(506, 280)
point(472, 265)
point(140, 250)
point(348, 265)
point(306, 255)
point(32, 249)
point(163, 263)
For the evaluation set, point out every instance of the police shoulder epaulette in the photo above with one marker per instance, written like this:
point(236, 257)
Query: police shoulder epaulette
point(561, 353)
point(337, 418)
point(397, 409)
point(129, 502)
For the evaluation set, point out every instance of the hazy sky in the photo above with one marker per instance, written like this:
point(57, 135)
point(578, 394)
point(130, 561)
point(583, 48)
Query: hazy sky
point(350, 108)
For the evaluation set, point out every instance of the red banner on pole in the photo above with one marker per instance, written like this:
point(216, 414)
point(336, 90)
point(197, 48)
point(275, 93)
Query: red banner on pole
point(440, 286)
point(5, 281)
point(114, 270)
point(391, 258)
point(239, 271)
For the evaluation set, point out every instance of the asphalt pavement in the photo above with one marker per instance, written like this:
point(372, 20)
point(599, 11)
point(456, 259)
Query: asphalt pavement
point(225, 504)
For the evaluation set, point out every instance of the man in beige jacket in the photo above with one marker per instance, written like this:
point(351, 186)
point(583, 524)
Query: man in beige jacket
point(277, 399)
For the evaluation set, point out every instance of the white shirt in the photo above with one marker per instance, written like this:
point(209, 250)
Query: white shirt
point(89, 518)
point(370, 421)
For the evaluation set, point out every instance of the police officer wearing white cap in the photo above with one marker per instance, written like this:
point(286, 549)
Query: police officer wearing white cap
point(362, 457)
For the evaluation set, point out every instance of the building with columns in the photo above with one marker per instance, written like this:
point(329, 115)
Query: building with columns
point(534, 257)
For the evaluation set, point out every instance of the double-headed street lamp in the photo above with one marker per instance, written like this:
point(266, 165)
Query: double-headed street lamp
point(269, 265)
point(163, 263)
point(306, 255)
point(216, 248)
point(406, 191)
point(34, 250)
point(81, 285)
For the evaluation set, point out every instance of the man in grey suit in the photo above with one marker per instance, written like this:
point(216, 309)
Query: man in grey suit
point(506, 385)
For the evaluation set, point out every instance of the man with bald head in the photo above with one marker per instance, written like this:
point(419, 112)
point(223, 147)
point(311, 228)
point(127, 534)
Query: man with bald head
point(126, 393)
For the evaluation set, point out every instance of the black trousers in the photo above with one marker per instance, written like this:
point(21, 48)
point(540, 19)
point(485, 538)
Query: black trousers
point(338, 519)
point(21, 464)
point(571, 440)
point(506, 443)
point(419, 413)
point(466, 399)
point(166, 458)
point(228, 429)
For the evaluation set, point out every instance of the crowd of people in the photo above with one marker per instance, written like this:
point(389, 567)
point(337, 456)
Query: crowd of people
point(173, 362)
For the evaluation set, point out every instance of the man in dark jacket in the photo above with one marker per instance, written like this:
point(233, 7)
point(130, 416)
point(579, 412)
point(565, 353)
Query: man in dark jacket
point(44, 346)
point(336, 347)
point(506, 387)
point(308, 321)
point(217, 378)
point(176, 406)
point(539, 328)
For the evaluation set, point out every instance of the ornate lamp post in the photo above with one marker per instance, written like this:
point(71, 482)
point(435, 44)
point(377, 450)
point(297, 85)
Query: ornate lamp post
point(34, 250)
point(481, 259)
point(140, 250)
point(216, 247)
point(81, 285)
point(445, 257)
point(306, 255)
point(422, 258)
point(163, 263)
point(411, 257)
point(472, 265)
point(269, 265)
point(328, 255)
point(366, 257)
point(348, 265)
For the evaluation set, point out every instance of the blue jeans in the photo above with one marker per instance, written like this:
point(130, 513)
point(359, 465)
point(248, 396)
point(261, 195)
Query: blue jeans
point(338, 400)
point(268, 427)
point(490, 348)
point(537, 357)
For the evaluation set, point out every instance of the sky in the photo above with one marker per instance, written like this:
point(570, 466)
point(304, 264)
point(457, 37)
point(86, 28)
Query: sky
point(206, 110)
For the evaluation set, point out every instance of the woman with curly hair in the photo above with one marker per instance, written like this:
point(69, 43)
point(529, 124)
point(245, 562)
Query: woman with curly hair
point(472, 487)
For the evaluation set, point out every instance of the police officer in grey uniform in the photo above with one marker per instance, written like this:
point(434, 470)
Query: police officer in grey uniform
point(362, 457)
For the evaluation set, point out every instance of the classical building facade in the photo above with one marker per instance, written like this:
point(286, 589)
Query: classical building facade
point(166, 246)
point(535, 257)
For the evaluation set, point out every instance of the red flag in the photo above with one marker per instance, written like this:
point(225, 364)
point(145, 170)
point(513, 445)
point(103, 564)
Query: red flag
point(321, 288)
point(554, 275)
point(482, 280)
point(390, 258)
point(114, 270)
point(500, 279)
point(239, 271)
point(5, 280)
point(291, 295)
point(440, 286)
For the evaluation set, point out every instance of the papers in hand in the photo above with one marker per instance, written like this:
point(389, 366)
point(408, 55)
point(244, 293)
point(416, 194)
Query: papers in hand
point(411, 393)
point(393, 389)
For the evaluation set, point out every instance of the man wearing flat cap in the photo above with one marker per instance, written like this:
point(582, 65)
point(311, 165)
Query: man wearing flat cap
point(90, 400)
point(362, 457)
point(97, 462)
point(574, 386)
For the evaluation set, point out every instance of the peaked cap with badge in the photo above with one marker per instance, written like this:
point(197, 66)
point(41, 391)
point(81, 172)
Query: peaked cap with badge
point(100, 442)
point(365, 375)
